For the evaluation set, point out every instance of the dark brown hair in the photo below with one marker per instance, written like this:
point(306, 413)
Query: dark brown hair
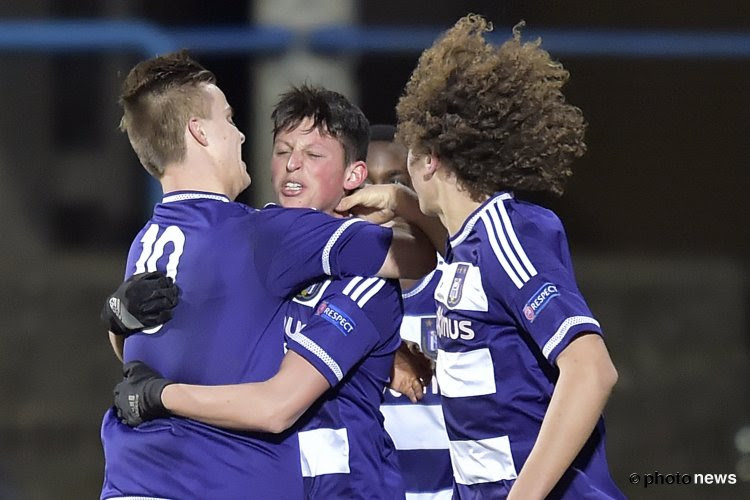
point(332, 114)
point(158, 98)
point(495, 115)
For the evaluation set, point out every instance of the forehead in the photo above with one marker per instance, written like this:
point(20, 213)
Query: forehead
point(305, 132)
point(215, 95)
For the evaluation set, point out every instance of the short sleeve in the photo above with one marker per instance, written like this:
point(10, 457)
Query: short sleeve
point(552, 310)
point(294, 247)
point(533, 276)
point(348, 325)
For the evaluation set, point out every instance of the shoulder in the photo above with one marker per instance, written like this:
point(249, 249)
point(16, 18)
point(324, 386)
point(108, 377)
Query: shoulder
point(516, 240)
point(358, 289)
point(272, 212)
point(367, 292)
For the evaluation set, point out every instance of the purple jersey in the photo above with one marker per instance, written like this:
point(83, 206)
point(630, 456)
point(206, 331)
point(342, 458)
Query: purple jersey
point(348, 330)
point(508, 304)
point(418, 429)
point(234, 266)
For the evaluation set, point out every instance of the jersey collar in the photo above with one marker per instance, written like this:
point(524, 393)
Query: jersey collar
point(472, 219)
point(175, 196)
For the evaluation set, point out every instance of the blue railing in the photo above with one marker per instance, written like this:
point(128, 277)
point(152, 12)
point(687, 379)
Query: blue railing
point(149, 39)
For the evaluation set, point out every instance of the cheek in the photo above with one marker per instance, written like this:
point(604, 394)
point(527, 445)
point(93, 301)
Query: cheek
point(328, 186)
point(410, 169)
point(277, 167)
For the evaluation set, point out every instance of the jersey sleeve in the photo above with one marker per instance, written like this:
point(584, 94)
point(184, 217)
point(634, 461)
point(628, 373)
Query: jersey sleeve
point(552, 310)
point(294, 247)
point(534, 280)
point(348, 325)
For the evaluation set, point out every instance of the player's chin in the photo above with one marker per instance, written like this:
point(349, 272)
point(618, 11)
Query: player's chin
point(293, 201)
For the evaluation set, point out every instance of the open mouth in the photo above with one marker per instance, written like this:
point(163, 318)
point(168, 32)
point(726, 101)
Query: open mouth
point(291, 187)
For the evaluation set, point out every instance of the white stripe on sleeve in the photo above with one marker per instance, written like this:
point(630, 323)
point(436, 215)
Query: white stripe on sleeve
point(514, 239)
point(318, 351)
point(375, 289)
point(352, 283)
point(360, 289)
point(501, 229)
point(326, 257)
point(498, 251)
point(566, 325)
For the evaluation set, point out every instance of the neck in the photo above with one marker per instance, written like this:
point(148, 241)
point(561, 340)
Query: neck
point(184, 177)
point(454, 206)
point(407, 284)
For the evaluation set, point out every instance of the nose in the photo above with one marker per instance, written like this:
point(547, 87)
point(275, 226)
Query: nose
point(294, 162)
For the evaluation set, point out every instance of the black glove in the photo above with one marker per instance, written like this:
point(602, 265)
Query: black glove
point(138, 396)
point(143, 301)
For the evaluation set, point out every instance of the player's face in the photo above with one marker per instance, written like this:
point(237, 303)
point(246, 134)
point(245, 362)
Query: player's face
point(308, 169)
point(386, 164)
point(416, 167)
point(226, 140)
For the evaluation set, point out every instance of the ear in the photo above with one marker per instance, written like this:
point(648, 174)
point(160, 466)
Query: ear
point(195, 127)
point(431, 164)
point(356, 174)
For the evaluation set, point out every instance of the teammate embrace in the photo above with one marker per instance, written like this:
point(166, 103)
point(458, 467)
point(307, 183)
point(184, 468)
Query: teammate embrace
point(522, 395)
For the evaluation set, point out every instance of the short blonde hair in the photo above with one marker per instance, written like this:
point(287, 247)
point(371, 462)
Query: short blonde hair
point(158, 98)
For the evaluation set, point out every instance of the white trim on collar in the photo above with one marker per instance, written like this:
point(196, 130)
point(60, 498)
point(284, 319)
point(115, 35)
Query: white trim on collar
point(473, 218)
point(194, 196)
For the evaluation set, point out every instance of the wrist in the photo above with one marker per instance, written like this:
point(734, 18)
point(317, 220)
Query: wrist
point(168, 395)
point(403, 202)
point(153, 394)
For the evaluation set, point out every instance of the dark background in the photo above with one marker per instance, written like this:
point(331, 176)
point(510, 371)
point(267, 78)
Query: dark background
point(655, 214)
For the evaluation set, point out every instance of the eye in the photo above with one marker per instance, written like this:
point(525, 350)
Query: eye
point(281, 152)
point(314, 155)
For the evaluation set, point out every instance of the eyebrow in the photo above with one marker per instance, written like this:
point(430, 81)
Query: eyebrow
point(306, 146)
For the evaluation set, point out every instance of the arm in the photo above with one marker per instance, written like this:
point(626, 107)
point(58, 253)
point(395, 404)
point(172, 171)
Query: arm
point(270, 406)
point(382, 203)
point(587, 376)
point(411, 254)
point(142, 301)
point(411, 371)
point(118, 343)
point(292, 247)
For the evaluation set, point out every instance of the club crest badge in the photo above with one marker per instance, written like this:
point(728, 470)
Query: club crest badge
point(309, 292)
point(428, 328)
point(457, 286)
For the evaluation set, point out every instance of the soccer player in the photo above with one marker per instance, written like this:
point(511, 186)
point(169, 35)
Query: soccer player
point(418, 430)
point(235, 266)
point(523, 370)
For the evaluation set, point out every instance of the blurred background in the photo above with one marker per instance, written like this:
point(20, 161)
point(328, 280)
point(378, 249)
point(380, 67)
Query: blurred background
point(655, 211)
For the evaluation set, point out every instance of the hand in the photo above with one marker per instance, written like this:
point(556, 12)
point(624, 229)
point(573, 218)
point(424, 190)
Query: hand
point(143, 301)
point(138, 396)
point(375, 203)
point(411, 372)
